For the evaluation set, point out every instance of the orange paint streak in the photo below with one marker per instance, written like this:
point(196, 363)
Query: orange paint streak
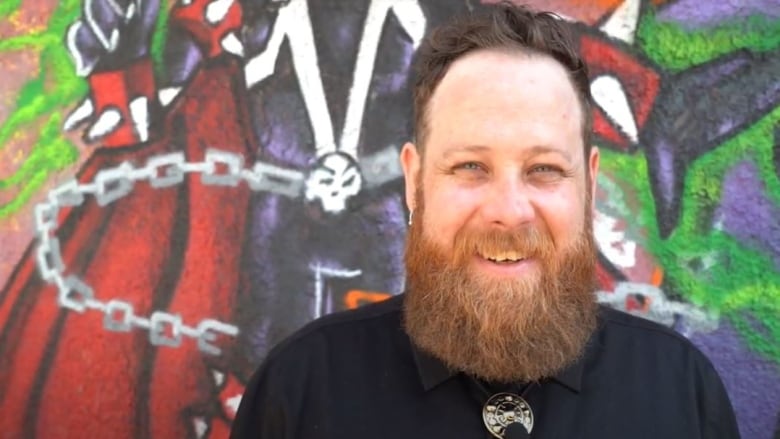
point(355, 298)
point(657, 277)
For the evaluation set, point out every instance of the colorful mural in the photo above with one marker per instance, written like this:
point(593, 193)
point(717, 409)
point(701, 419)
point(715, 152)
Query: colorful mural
point(183, 183)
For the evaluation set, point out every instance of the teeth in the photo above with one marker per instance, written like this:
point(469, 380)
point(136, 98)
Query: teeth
point(509, 256)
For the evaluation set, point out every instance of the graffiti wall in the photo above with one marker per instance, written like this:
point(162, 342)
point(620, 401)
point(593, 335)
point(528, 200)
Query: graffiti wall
point(185, 182)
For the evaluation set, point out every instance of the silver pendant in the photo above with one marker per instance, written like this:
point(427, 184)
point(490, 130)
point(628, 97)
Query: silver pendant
point(503, 409)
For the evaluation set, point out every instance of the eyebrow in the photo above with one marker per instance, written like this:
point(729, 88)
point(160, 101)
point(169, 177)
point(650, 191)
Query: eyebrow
point(468, 148)
point(534, 150)
point(537, 150)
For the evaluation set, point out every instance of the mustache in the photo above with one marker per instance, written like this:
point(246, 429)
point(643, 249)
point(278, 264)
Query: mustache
point(527, 242)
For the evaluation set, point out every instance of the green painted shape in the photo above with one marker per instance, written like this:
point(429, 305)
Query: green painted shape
point(675, 48)
point(41, 101)
point(159, 40)
point(743, 280)
point(34, 41)
point(50, 153)
point(615, 202)
point(760, 326)
point(44, 154)
point(41, 96)
point(8, 7)
point(46, 96)
point(702, 264)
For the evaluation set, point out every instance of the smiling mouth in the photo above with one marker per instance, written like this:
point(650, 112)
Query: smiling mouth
point(509, 257)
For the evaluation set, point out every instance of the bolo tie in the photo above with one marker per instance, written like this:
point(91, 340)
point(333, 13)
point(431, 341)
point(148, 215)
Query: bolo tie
point(506, 415)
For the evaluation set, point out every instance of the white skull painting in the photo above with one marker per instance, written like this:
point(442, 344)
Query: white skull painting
point(333, 181)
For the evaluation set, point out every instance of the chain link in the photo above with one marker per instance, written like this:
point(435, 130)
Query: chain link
point(234, 163)
point(49, 258)
point(113, 184)
point(219, 168)
point(45, 218)
point(265, 177)
point(166, 170)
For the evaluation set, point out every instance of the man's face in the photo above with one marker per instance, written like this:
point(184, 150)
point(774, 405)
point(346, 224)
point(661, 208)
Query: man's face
point(504, 150)
point(500, 257)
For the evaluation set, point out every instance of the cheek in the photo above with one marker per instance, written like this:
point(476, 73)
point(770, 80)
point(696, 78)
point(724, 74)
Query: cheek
point(563, 214)
point(447, 210)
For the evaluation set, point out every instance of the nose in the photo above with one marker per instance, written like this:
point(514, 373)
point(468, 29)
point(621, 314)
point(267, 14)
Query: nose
point(508, 204)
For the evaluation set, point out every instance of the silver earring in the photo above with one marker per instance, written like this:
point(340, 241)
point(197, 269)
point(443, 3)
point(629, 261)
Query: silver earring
point(411, 212)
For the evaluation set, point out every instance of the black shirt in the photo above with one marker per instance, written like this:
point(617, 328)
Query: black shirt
point(356, 374)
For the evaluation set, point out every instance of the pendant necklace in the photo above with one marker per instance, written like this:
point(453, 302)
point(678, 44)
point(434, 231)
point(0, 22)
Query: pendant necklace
point(506, 415)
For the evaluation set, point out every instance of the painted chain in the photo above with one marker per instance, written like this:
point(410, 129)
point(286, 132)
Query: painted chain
point(109, 185)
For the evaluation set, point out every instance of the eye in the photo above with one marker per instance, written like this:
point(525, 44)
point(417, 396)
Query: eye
point(469, 166)
point(546, 173)
point(546, 169)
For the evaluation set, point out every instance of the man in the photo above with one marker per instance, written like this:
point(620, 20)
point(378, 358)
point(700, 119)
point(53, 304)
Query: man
point(498, 334)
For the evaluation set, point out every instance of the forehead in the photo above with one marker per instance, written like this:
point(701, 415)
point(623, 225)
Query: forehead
point(495, 97)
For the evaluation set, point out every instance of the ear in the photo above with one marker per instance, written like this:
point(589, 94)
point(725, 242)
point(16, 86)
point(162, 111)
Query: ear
point(410, 162)
point(593, 168)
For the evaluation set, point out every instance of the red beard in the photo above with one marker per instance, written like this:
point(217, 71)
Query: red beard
point(503, 330)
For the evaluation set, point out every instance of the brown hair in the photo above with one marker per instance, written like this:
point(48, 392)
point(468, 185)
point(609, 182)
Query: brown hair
point(501, 26)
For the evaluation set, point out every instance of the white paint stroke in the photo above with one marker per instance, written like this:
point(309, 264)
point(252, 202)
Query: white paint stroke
point(293, 22)
point(110, 43)
point(409, 14)
point(232, 404)
point(200, 426)
point(106, 122)
point(609, 94)
point(319, 273)
point(219, 377)
point(82, 68)
point(168, 94)
point(139, 113)
point(130, 12)
point(79, 115)
point(217, 10)
point(612, 242)
point(114, 6)
point(412, 19)
point(623, 22)
point(232, 44)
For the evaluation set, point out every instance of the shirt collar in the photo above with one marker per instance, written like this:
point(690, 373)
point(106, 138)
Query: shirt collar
point(433, 371)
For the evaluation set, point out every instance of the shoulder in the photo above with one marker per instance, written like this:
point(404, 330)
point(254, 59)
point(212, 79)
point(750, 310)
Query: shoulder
point(341, 329)
point(662, 362)
point(635, 340)
point(625, 324)
point(323, 355)
point(389, 308)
